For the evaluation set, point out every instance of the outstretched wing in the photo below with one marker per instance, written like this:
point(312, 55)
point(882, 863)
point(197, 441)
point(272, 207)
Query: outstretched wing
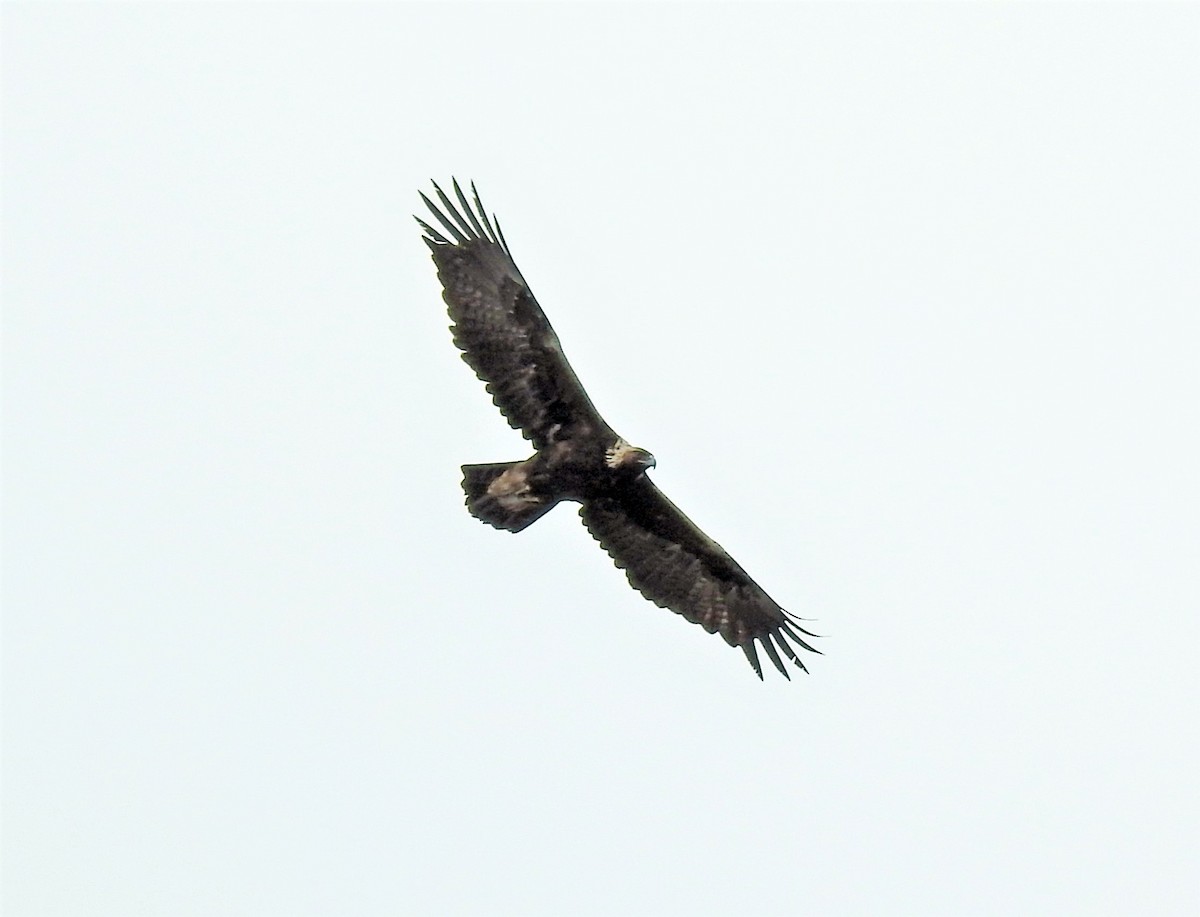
point(675, 565)
point(501, 329)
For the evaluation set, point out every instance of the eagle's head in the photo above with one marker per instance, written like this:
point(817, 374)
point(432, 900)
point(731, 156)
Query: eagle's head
point(622, 456)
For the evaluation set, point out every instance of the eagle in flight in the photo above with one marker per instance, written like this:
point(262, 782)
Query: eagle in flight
point(506, 338)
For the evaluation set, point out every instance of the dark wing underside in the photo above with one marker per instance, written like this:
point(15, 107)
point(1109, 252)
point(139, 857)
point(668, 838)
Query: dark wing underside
point(501, 329)
point(675, 565)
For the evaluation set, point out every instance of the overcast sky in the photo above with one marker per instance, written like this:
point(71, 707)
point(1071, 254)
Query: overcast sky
point(905, 301)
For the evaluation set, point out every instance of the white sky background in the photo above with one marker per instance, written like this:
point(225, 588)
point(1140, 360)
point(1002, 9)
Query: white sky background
point(905, 300)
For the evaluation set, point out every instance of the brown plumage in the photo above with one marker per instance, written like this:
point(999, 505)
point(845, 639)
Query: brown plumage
point(506, 338)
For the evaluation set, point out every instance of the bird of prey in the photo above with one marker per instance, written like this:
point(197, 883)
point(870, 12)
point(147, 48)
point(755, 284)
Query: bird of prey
point(506, 339)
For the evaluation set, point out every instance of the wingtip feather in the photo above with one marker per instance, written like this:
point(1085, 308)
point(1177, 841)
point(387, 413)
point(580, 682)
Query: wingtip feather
point(769, 646)
point(787, 629)
point(466, 206)
point(452, 211)
point(432, 237)
point(483, 213)
point(752, 656)
point(441, 217)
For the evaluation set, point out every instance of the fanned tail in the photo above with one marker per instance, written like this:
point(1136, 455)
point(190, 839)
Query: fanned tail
point(499, 495)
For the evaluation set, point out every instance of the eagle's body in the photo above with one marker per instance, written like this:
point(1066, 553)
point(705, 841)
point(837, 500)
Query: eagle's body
point(580, 467)
point(506, 338)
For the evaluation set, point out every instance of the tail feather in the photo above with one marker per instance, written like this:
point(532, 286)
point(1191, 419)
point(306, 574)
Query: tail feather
point(499, 495)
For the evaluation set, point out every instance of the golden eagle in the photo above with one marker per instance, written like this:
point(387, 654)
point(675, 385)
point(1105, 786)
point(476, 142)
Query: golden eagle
point(506, 339)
